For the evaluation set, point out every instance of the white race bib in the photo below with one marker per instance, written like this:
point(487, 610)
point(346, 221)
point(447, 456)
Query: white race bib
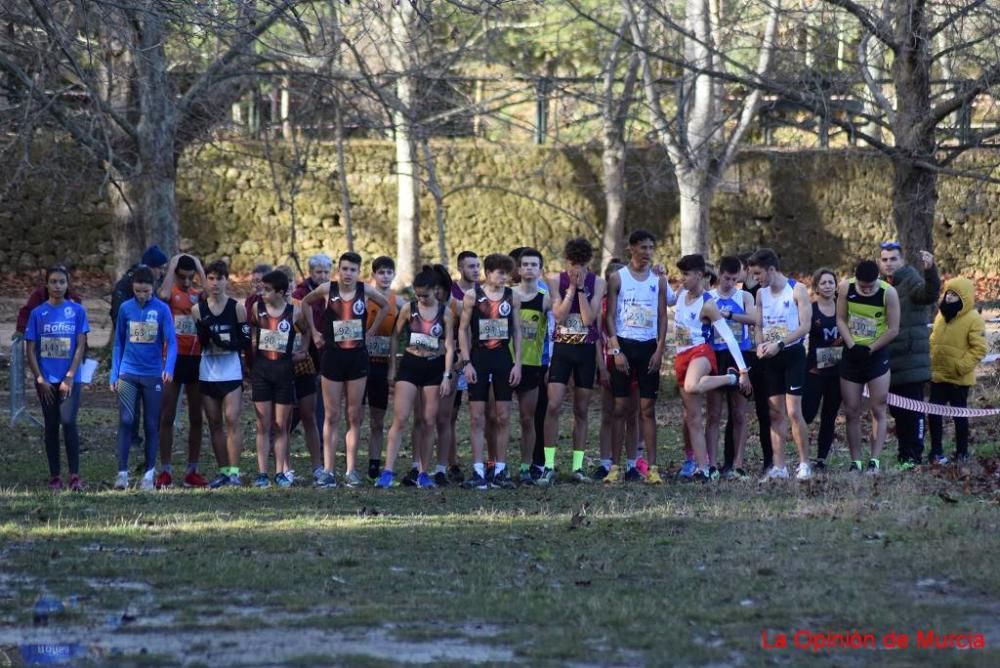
point(273, 341)
point(493, 329)
point(682, 336)
point(184, 325)
point(425, 341)
point(775, 333)
point(142, 332)
point(378, 346)
point(862, 327)
point(638, 316)
point(56, 347)
point(828, 357)
point(735, 327)
point(347, 330)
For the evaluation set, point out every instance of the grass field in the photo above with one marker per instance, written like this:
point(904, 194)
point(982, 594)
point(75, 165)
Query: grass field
point(571, 575)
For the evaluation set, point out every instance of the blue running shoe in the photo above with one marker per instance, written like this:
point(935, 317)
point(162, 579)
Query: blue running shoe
point(262, 481)
point(387, 480)
point(220, 480)
point(424, 481)
point(688, 468)
point(326, 480)
point(281, 480)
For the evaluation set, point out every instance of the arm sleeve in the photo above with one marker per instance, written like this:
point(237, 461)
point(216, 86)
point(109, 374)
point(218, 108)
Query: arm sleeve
point(734, 348)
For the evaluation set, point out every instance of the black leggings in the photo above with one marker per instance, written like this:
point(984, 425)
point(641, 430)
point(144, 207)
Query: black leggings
point(538, 454)
point(949, 395)
point(58, 412)
point(825, 389)
point(758, 380)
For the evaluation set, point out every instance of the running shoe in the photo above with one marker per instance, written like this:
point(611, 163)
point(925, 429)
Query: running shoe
point(75, 484)
point(326, 480)
point(164, 479)
point(688, 468)
point(55, 483)
point(476, 482)
point(633, 475)
point(148, 483)
point(121, 482)
point(220, 480)
point(742, 475)
point(653, 476)
point(282, 480)
point(614, 475)
point(387, 480)
point(502, 480)
point(804, 472)
point(290, 474)
point(234, 480)
point(775, 473)
point(353, 479)
point(642, 465)
point(940, 460)
point(262, 481)
point(702, 476)
point(713, 473)
point(874, 466)
point(424, 481)
point(580, 476)
point(962, 459)
point(819, 466)
point(728, 474)
point(525, 478)
point(410, 479)
point(856, 466)
point(317, 472)
point(195, 479)
point(599, 474)
point(547, 478)
point(372, 472)
point(455, 474)
point(441, 479)
point(491, 468)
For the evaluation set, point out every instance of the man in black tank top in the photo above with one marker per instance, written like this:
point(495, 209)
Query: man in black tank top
point(758, 381)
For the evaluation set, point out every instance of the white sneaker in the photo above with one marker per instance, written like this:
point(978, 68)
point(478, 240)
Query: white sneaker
point(121, 482)
point(290, 474)
point(147, 483)
point(804, 471)
point(774, 473)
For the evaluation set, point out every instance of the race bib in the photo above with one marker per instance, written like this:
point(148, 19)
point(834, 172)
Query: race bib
point(184, 325)
point(735, 327)
point(775, 333)
point(216, 350)
point(56, 347)
point(682, 335)
point(273, 341)
point(347, 330)
point(142, 332)
point(493, 329)
point(862, 327)
point(529, 330)
point(378, 346)
point(638, 316)
point(424, 341)
point(828, 357)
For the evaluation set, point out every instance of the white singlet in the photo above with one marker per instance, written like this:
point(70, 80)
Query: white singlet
point(636, 311)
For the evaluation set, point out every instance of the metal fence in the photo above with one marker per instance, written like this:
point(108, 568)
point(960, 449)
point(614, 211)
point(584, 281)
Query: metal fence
point(18, 400)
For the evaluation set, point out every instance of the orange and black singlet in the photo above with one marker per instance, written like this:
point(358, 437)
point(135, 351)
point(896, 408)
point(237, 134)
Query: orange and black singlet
point(426, 337)
point(492, 321)
point(346, 319)
point(275, 335)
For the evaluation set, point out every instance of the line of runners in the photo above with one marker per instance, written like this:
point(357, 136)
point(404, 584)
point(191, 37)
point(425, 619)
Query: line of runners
point(503, 330)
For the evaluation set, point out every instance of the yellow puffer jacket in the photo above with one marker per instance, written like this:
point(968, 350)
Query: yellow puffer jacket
point(958, 346)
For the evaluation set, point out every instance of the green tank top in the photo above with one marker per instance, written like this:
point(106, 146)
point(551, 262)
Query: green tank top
point(533, 326)
point(866, 317)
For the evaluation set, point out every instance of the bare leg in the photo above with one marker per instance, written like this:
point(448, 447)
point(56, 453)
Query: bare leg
point(526, 403)
point(477, 429)
point(376, 428)
point(265, 412)
point(282, 421)
point(779, 428)
point(426, 425)
point(333, 403)
point(502, 430)
point(216, 430)
point(581, 406)
point(310, 432)
point(168, 413)
point(738, 415)
point(404, 395)
point(355, 405)
point(557, 394)
point(647, 422)
point(878, 388)
point(800, 430)
point(195, 428)
point(232, 406)
point(850, 396)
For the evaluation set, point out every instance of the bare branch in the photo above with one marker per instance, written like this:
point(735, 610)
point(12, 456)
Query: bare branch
point(950, 20)
point(871, 23)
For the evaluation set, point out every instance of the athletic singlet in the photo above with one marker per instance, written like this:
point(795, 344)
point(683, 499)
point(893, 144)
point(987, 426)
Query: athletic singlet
point(275, 336)
point(637, 309)
point(779, 313)
point(427, 337)
point(181, 303)
point(533, 330)
point(378, 344)
point(866, 318)
point(572, 330)
point(345, 319)
point(825, 349)
point(458, 293)
point(492, 321)
point(741, 332)
point(690, 330)
point(218, 364)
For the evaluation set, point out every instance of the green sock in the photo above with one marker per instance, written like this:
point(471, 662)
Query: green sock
point(577, 460)
point(525, 467)
point(550, 458)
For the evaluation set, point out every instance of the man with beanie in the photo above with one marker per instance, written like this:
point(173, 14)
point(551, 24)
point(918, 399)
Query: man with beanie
point(909, 352)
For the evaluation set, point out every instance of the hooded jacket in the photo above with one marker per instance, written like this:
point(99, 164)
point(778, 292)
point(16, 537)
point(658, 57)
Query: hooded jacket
point(959, 345)
point(909, 352)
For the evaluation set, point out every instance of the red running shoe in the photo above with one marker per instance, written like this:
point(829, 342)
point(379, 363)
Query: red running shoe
point(195, 479)
point(164, 480)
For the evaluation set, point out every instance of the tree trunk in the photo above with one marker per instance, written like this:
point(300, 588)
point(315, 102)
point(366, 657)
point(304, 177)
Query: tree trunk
point(408, 196)
point(345, 193)
point(129, 238)
point(696, 198)
point(613, 165)
point(434, 187)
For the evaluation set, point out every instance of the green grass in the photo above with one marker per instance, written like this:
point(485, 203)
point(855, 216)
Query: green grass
point(672, 575)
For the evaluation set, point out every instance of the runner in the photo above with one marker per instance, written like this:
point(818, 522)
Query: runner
point(637, 326)
point(469, 270)
point(377, 388)
point(535, 309)
point(345, 360)
point(424, 369)
point(783, 321)
point(138, 370)
point(180, 294)
point(153, 259)
point(867, 319)
point(740, 312)
point(444, 426)
point(256, 286)
point(758, 379)
point(272, 377)
point(576, 305)
point(320, 267)
point(489, 315)
point(305, 391)
point(695, 367)
point(56, 341)
point(825, 352)
point(224, 333)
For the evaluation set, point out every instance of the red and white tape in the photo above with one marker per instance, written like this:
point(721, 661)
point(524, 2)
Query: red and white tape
point(936, 409)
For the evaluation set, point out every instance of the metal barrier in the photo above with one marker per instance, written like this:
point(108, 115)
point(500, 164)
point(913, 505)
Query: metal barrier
point(18, 403)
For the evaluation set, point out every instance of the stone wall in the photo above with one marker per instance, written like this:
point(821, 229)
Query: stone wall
point(815, 207)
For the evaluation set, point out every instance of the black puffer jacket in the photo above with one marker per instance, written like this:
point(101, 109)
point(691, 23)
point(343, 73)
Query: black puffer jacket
point(910, 352)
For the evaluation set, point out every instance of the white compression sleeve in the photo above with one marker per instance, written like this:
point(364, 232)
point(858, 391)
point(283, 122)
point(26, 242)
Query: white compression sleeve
point(734, 348)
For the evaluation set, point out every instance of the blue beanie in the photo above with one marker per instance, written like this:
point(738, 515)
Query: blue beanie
point(154, 257)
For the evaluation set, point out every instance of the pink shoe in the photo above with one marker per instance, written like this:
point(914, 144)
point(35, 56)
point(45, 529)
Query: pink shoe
point(55, 483)
point(642, 466)
point(75, 484)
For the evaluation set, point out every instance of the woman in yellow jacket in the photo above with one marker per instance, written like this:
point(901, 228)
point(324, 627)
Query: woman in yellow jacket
point(958, 344)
